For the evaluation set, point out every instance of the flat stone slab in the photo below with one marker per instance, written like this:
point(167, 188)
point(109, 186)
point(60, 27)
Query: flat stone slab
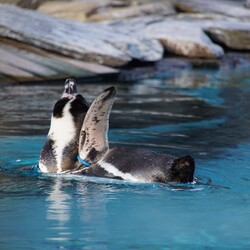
point(229, 32)
point(179, 37)
point(72, 10)
point(233, 35)
point(226, 8)
point(185, 39)
point(48, 47)
point(156, 8)
point(89, 42)
point(21, 62)
point(105, 9)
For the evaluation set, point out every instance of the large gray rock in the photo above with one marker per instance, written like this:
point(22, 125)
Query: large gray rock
point(94, 10)
point(227, 8)
point(22, 62)
point(155, 8)
point(90, 42)
point(179, 36)
point(229, 32)
point(184, 38)
point(72, 10)
point(234, 35)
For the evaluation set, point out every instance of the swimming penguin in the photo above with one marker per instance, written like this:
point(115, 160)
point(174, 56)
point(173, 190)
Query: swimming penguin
point(60, 150)
point(125, 163)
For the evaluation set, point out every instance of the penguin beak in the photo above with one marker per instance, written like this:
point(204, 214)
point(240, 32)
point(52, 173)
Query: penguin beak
point(70, 88)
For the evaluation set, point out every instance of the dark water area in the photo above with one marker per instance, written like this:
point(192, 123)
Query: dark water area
point(204, 113)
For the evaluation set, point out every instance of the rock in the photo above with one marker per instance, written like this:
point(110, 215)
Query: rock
point(247, 4)
point(90, 42)
point(57, 35)
point(203, 18)
point(185, 39)
point(13, 59)
point(180, 37)
point(227, 8)
point(234, 35)
point(21, 62)
point(156, 8)
point(137, 47)
point(53, 47)
point(75, 10)
point(134, 25)
point(227, 31)
point(10, 70)
point(106, 9)
point(29, 4)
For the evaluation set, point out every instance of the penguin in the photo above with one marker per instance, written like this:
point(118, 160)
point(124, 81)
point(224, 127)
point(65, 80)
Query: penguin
point(124, 163)
point(59, 153)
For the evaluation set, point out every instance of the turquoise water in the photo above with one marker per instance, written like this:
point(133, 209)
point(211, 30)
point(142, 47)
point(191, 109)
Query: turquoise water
point(198, 113)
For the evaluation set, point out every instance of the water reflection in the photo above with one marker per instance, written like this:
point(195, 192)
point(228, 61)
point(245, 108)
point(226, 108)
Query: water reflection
point(72, 203)
point(153, 112)
point(209, 120)
point(27, 109)
point(58, 204)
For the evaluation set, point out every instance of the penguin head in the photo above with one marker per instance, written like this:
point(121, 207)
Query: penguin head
point(93, 140)
point(70, 88)
point(182, 169)
point(71, 104)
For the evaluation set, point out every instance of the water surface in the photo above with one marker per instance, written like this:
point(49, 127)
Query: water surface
point(204, 113)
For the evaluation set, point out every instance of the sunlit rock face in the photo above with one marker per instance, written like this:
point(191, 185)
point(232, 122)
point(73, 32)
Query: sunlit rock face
point(89, 38)
point(233, 35)
point(223, 7)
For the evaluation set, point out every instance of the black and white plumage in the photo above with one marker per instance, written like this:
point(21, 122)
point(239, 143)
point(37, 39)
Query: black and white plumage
point(61, 147)
point(125, 163)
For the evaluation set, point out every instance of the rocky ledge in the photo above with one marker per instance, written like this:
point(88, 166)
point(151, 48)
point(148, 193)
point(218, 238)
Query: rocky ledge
point(87, 38)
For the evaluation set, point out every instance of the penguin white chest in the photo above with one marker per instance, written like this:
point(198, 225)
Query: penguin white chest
point(62, 132)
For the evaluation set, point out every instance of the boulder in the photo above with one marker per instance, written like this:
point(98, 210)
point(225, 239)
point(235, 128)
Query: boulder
point(106, 9)
point(234, 35)
point(229, 32)
point(184, 38)
point(22, 62)
point(72, 10)
point(180, 37)
point(227, 8)
point(87, 41)
point(157, 8)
